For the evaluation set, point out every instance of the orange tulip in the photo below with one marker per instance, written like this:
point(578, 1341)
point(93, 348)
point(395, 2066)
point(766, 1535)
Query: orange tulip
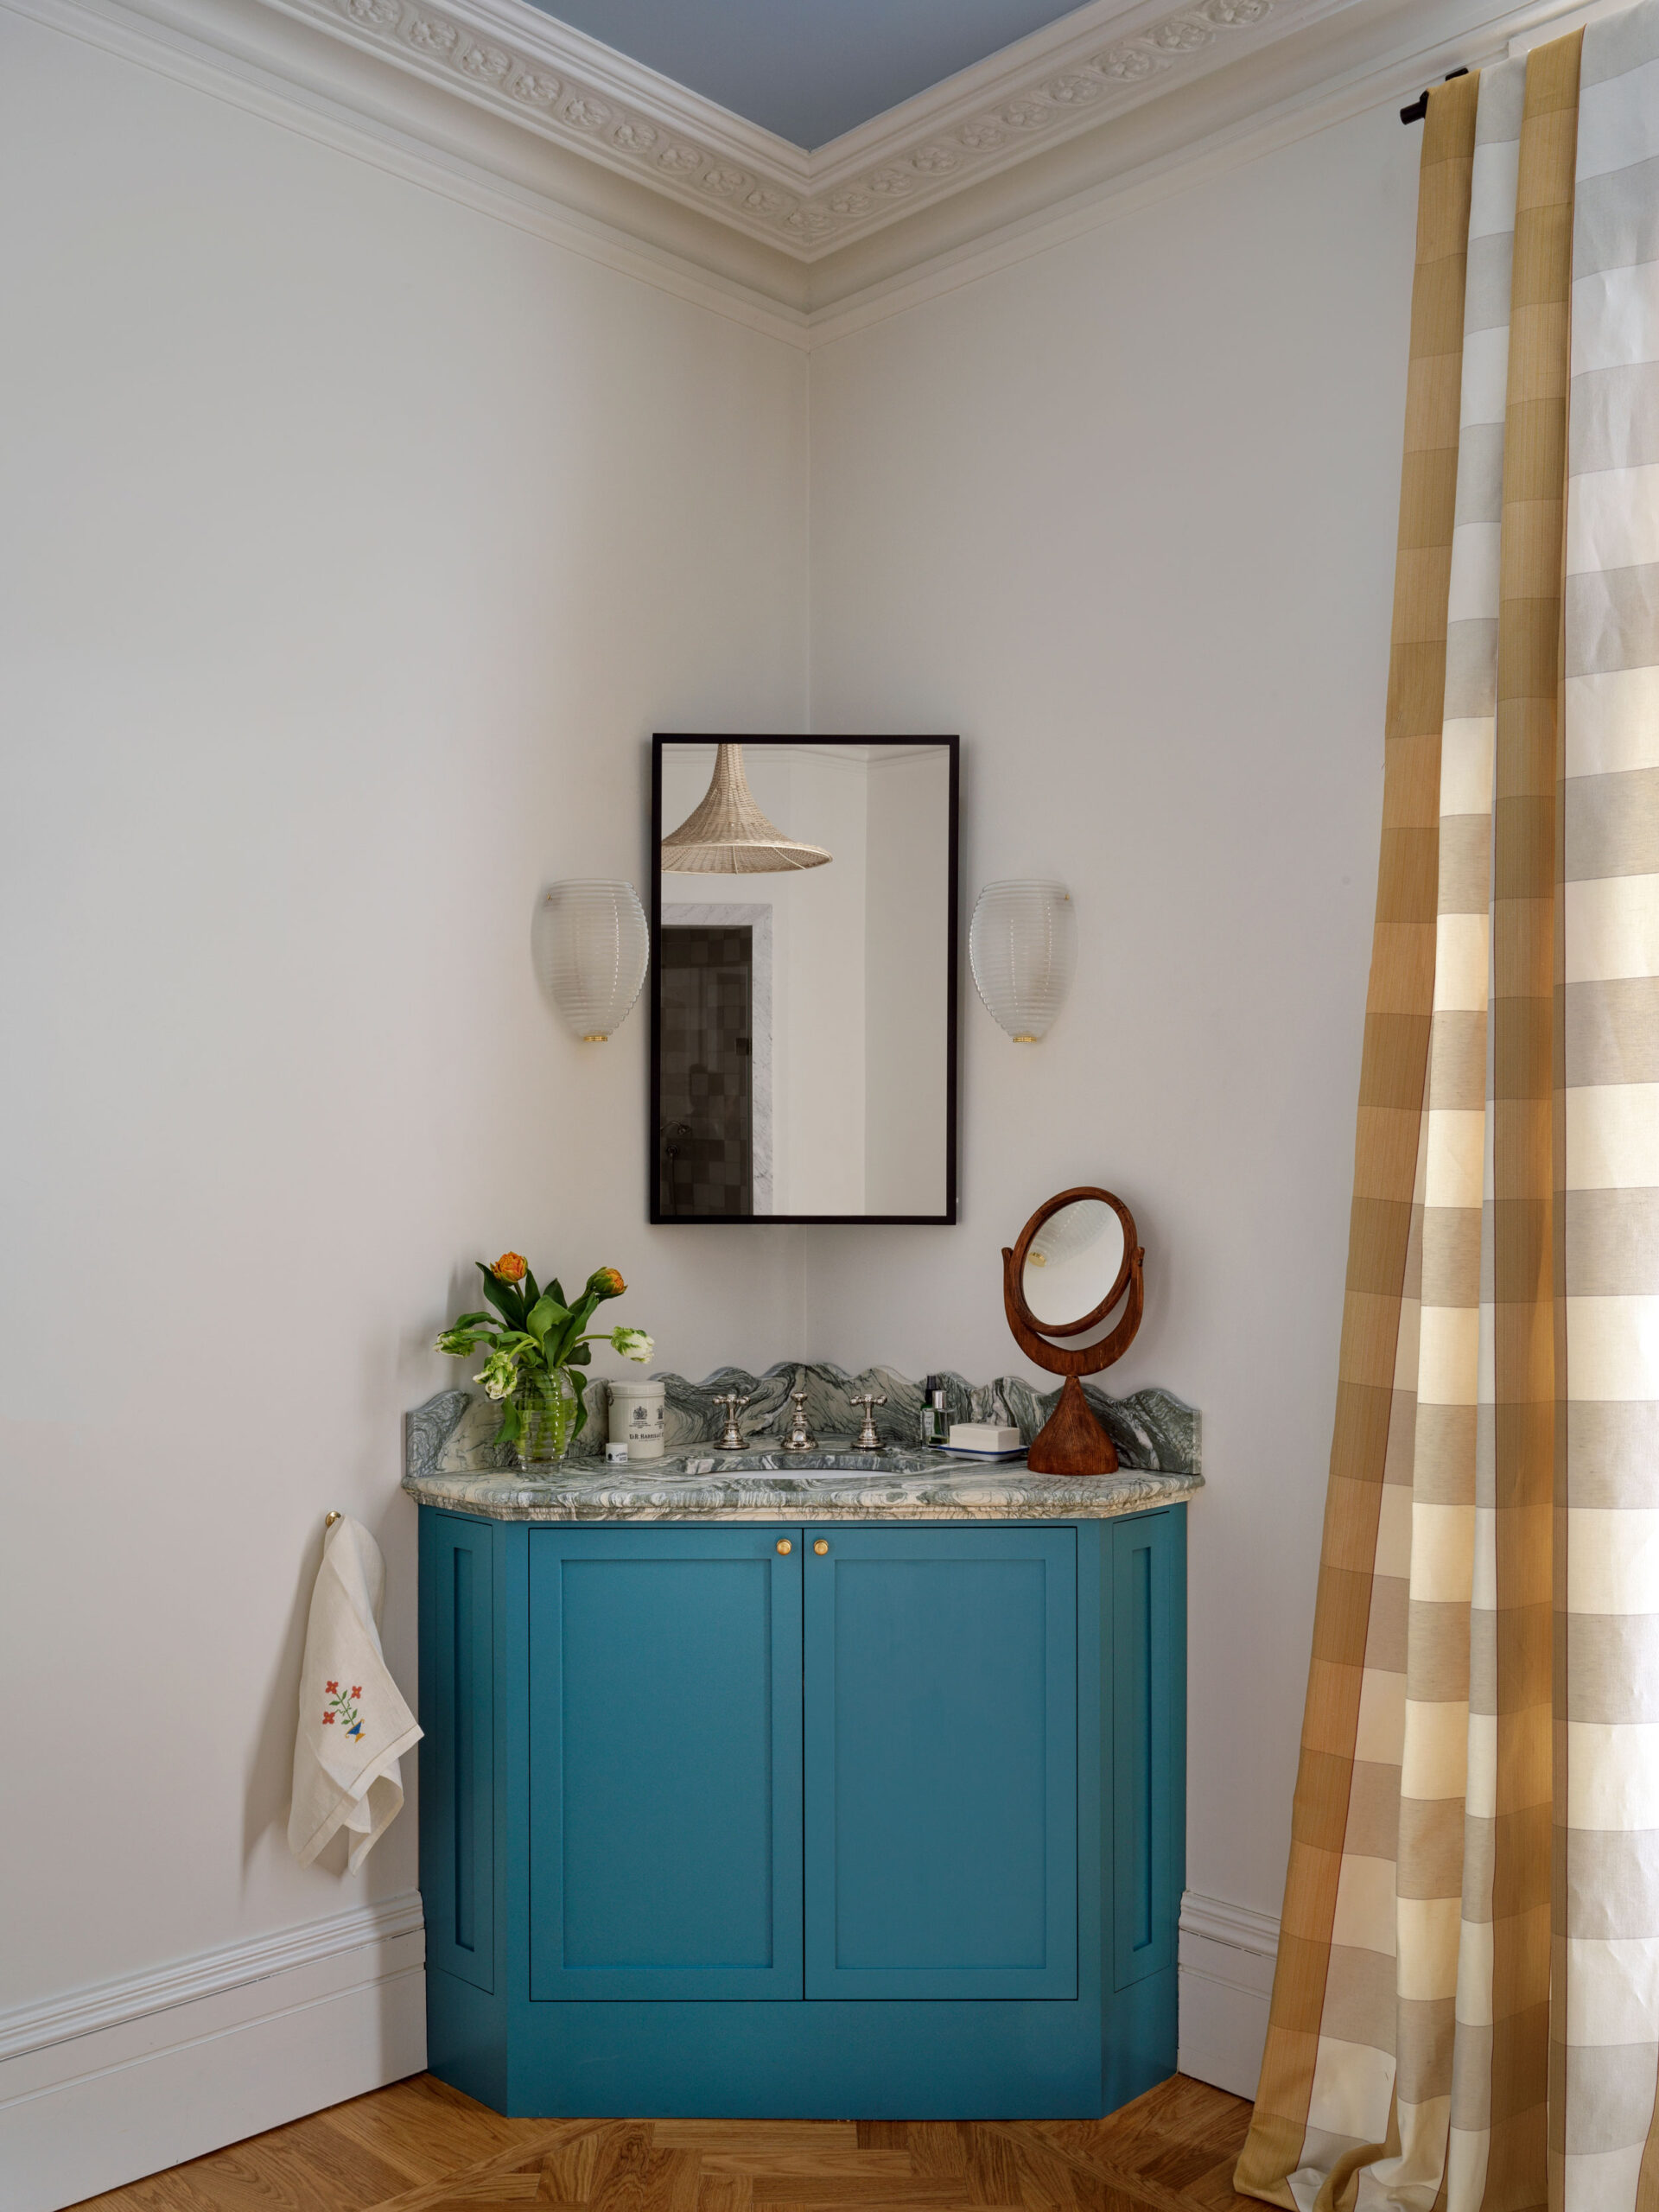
point(511, 1267)
point(607, 1280)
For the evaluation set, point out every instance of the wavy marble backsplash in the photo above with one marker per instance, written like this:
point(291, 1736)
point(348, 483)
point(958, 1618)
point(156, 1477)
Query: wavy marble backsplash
point(453, 1432)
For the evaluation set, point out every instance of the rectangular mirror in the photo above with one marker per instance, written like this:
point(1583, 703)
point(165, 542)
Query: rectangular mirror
point(803, 979)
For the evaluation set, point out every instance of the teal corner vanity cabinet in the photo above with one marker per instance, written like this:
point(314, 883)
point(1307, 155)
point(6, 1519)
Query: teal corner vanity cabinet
point(867, 1818)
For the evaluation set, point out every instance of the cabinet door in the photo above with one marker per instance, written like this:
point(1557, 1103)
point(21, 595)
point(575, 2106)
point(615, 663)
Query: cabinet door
point(941, 1701)
point(665, 1763)
point(457, 1757)
point(1148, 1743)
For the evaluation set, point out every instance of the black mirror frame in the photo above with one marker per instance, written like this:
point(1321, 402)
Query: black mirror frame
point(947, 1219)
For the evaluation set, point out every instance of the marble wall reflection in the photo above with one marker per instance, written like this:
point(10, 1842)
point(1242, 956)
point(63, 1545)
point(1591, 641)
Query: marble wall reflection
point(454, 1433)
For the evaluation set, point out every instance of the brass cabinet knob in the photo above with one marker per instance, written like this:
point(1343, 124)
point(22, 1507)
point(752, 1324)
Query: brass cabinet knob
point(785, 1546)
point(820, 1547)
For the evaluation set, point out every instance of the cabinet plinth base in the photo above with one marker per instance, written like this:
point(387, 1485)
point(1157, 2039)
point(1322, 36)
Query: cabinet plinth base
point(831, 2061)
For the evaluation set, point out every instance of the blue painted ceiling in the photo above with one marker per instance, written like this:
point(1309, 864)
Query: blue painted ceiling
point(807, 69)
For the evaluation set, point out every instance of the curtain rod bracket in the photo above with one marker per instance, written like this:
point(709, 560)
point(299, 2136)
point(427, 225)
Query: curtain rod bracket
point(1419, 108)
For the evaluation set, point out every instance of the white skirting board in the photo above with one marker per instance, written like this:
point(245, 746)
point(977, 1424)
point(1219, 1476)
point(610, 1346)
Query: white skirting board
point(98, 2089)
point(119, 2082)
point(1227, 1955)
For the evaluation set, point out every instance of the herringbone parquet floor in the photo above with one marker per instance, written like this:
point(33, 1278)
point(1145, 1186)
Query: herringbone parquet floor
point(418, 2146)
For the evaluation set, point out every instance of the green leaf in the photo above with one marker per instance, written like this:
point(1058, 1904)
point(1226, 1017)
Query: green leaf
point(579, 1355)
point(530, 1292)
point(544, 1314)
point(554, 1288)
point(578, 1320)
point(474, 1321)
point(505, 1300)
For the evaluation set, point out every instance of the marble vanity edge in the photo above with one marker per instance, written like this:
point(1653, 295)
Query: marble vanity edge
point(1006, 1494)
point(1155, 1431)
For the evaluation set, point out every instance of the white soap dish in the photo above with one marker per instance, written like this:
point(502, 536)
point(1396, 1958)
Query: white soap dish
point(989, 1438)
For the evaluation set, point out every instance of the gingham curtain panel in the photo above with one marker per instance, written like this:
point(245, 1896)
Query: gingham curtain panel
point(1465, 2013)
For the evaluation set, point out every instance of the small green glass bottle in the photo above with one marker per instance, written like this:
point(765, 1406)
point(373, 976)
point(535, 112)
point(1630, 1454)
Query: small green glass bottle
point(935, 1426)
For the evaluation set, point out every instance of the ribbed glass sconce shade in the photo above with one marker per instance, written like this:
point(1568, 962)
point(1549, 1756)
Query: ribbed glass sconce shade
point(1022, 947)
point(591, 948)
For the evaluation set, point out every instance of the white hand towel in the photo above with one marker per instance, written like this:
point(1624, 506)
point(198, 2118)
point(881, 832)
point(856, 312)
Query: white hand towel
point(354, 1726)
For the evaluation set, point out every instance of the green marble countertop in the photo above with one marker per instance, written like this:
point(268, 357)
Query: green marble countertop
point(831, 1485)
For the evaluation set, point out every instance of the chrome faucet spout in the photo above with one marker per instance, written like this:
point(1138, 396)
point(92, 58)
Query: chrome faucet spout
point(867, 1441)
point(731, 1437)
point(800, 1437)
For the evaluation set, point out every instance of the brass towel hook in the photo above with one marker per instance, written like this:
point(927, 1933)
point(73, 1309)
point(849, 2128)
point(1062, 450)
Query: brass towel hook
point(329, 1519)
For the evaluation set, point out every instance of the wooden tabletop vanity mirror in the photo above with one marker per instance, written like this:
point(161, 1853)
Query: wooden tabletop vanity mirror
point(1077, 1260)
point(803, 979)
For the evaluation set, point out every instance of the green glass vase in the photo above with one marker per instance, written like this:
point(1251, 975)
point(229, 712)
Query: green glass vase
point(550, 1417)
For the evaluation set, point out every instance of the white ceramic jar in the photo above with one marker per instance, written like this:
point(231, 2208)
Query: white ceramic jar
point(637, 1417)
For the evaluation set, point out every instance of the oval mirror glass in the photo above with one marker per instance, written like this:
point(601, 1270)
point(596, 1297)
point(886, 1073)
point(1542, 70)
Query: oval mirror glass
point(1073, 1261)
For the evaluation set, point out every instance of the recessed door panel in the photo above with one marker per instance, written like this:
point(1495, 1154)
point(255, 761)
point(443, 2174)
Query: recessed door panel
point(1146, 1784)
point(665, 1763)
point(941, 1763)
point(457, 1759)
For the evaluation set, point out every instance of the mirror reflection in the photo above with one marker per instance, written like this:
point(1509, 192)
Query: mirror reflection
point(1072, 1263)
point(802, 1002)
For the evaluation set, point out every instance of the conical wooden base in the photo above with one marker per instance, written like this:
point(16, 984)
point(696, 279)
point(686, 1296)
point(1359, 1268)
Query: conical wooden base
point(1072, 1442)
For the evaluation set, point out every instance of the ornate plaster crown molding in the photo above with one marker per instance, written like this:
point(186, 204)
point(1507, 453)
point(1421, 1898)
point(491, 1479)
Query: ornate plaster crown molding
point(509, 57)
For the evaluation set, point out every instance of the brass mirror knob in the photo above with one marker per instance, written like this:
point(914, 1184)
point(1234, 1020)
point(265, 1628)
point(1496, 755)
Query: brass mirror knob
point(784, 1545)
point(820, 1547)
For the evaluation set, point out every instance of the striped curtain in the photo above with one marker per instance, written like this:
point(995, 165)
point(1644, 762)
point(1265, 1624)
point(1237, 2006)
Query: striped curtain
point(1465, 2013)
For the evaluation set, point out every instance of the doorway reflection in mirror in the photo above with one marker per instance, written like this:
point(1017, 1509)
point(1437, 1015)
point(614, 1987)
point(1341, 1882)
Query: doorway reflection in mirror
point(803, 1030)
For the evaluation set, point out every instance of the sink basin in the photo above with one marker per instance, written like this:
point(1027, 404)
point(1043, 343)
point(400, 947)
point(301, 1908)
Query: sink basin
point(870, 1466)
point(698, 1463)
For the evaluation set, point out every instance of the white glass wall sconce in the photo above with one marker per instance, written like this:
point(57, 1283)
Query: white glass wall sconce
point(1022, 947)
point(591, 946)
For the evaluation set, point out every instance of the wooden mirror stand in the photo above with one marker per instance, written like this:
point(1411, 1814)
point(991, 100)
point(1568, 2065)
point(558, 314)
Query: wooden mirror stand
point(1072, 1442)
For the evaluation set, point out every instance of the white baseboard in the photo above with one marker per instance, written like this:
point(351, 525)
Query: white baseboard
point(103, 2087)
point(113, 2083)
point(1227, 1958)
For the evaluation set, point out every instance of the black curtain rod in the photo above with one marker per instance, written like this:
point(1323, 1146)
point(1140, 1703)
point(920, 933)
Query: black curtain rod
point(1419, 108)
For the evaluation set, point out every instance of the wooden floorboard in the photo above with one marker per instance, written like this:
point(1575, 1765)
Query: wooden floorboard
point(419, 2147)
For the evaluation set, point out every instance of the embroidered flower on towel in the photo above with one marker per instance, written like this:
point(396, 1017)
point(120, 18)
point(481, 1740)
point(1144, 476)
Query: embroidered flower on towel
point(340, 1707)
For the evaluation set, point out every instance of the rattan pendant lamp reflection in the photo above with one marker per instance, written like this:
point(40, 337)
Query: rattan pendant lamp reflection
point(728, 835)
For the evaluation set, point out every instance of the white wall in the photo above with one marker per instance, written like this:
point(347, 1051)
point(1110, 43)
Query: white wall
point(355, 542)
point(906, 941)
point(1123, 514)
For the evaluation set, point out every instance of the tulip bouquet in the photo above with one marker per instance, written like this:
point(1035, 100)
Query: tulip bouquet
point(538, 1345)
